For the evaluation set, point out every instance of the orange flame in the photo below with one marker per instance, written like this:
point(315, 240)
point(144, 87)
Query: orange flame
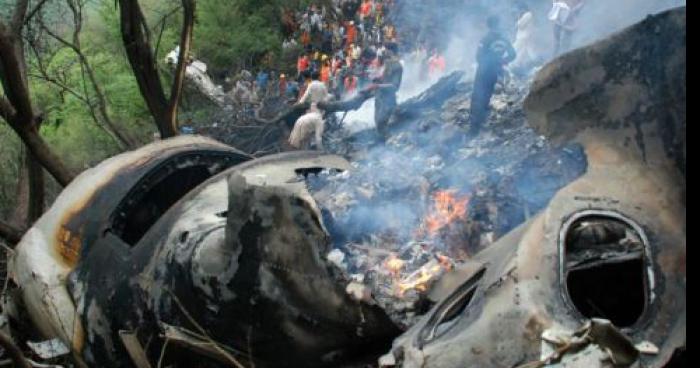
point(447, 208)
point(394, 265)
point(421, 279)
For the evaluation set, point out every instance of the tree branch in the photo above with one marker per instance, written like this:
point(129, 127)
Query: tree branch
point(182, 61)
point(162, 23)
point(10, 233)
point(19, 15)
point(33, 12)
point(13, 75)
point(64, 88)
point(86, 70)
point(298, 109)
point(7, 112)
point(143, 64)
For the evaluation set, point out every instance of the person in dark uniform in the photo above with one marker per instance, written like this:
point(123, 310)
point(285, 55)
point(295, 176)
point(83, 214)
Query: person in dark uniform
point(386, 89)
point(495, 52)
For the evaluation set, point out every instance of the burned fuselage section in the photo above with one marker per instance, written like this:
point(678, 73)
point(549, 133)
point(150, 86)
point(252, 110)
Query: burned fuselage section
point(240, 257)
point(90, 210)
point(215, 258)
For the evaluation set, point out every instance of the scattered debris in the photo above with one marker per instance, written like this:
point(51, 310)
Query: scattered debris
point(433, 195)
point(49, 349)
point(133, 347)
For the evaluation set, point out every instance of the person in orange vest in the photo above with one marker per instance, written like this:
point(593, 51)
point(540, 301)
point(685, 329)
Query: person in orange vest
point(303, 63)
point(350, 33)
point(366, 9)
point(305, 38)
point(326, 72)
point(436, 65)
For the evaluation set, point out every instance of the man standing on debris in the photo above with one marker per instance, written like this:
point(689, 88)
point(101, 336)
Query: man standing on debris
point(564, 15)
point(525, 42)
point(316, 91)
point(308, 126)
point(386, 89)
point(495, 52)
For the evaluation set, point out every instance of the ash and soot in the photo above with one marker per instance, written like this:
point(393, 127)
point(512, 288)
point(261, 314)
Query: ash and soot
point(434, 195)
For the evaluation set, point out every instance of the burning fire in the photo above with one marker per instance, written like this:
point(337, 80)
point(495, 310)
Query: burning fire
point(394, 265)
point(448, 207)
point(420, 279)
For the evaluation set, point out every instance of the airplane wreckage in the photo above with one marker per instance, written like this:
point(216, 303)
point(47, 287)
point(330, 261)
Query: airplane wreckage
point(192, 246)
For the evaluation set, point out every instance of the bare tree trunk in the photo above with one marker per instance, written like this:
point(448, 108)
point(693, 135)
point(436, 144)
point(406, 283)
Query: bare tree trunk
point(17, 108)
point(188, 7)
point(136, 38)
point(37, 192)
point(21, 210)
point(29, 134)
point(298, 109)
point(11, 234)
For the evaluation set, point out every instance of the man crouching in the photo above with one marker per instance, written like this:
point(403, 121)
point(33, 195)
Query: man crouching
point(307, 128)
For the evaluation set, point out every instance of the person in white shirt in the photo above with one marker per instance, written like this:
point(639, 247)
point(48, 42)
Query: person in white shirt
point(355, 51)
point(308, 127)
point(525, 43)
point(316, 91)
point(316, 21)
point(563, 15)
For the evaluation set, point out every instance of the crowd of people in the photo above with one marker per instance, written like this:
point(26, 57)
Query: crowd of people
point(350, 48)
point(353, 47)
point(339, 52)
point(345, 45)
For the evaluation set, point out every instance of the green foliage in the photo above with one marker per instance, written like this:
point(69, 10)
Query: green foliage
point(234, 34)
point(69, 126)
point(229, 35)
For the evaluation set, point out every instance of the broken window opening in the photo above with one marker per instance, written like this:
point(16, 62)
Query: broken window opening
point(447, 315)
point(604, 267)
point(161, 189)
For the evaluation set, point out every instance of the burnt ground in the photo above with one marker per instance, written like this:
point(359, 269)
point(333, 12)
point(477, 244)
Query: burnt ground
point(506, 173)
